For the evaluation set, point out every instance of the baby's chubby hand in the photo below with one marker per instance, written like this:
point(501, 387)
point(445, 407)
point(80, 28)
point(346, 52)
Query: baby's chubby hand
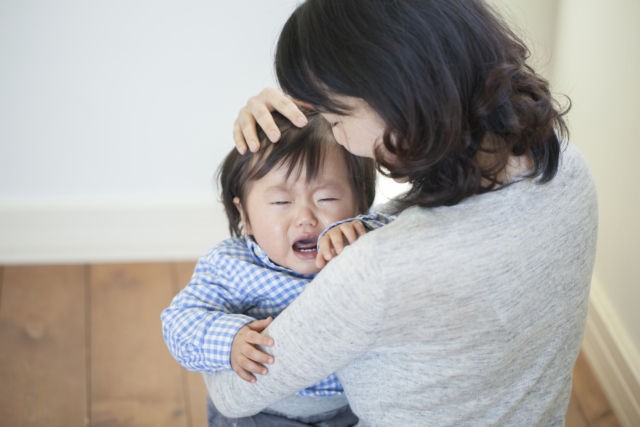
point(244, 354)
point(332, 243)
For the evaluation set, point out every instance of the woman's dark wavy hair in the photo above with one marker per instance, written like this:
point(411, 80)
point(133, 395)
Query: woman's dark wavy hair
point(449, 79)
point(297, 149)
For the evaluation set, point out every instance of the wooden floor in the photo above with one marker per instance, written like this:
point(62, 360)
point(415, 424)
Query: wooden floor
point(82, 345)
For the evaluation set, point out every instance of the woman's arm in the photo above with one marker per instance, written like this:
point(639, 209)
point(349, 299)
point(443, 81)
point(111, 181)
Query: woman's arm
point(334, 321)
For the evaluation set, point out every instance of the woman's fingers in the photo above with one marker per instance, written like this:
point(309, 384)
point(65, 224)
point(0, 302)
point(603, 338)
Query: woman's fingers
point(238, 138)
point(247, 123)
point(276, 100)
point(258, 112)
point(262, 114)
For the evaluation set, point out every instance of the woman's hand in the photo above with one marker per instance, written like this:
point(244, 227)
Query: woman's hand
point(258, 109)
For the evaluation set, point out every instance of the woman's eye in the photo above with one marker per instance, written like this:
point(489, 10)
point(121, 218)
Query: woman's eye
point(280, 202)
point(334, 124)
point(328, 199)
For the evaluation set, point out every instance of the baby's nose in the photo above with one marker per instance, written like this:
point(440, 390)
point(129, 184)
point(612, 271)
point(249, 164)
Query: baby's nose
point(306, 216)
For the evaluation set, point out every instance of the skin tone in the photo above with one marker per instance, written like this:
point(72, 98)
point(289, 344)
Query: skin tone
point(360, 131)
point(258, 109)
point(285, 216)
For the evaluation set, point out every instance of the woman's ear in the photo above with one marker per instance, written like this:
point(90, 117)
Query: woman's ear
point(245, 221)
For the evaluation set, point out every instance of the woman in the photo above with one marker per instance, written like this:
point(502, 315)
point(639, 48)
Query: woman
point(470, 308)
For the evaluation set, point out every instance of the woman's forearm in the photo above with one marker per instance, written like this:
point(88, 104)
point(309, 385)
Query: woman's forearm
point(332, 322)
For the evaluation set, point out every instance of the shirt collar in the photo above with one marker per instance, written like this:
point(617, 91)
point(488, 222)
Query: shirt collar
point(262, 258)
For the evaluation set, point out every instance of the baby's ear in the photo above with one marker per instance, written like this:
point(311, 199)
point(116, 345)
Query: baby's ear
point(245, 222)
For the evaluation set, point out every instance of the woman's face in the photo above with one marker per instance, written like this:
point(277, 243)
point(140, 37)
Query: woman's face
point(360, 131)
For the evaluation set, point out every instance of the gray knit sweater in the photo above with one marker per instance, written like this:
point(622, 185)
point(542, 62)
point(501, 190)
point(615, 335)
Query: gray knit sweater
point(465, 315)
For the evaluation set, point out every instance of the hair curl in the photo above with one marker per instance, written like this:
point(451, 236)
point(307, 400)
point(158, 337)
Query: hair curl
point(449, 79)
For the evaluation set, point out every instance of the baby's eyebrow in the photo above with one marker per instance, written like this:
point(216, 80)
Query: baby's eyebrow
point(329, 185)
point(285, 188)
point(278, 189)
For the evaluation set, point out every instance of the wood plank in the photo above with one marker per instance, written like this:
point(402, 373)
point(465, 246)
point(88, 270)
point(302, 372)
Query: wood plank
point(134, 379)
point(592, 399)
point(42, 347)
point(1, 277)
point(575, 417)
point(194, 383)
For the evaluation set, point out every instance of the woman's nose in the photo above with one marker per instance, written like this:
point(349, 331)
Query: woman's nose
point(306, 216)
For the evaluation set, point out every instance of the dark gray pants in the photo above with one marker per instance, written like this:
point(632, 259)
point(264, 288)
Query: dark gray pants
point(216, 419)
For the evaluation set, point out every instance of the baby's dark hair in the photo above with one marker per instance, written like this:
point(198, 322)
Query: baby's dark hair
point(298, 149)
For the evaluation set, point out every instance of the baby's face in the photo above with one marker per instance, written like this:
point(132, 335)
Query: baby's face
point(287, 216)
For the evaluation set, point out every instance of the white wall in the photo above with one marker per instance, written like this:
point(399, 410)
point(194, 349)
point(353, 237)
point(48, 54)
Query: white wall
point(114, 117)
point(535, 21)
point(598, 65)
point(126, 100)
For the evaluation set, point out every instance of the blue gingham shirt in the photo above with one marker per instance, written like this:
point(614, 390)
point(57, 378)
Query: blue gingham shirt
point(233, 284)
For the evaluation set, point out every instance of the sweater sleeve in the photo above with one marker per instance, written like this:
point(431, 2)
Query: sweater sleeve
point(334, 321)
point(203, 319)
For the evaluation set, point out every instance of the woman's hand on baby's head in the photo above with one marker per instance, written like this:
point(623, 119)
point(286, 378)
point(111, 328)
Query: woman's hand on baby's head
point(333, 242)
point(245, 357)
point(258, 110)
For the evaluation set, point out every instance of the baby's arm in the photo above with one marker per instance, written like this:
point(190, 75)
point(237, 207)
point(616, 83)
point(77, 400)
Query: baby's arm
point(204, 319)
point(332, 241)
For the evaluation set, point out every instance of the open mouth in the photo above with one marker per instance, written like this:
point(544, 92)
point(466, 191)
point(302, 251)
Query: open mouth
point(305, 245)
point(306, 248)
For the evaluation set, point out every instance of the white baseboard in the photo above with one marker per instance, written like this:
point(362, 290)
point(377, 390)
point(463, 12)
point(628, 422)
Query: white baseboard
point(613, 358)
point(81, 231)
point(109, 231)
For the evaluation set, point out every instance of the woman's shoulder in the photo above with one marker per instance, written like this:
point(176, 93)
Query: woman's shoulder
point(574, 166)
point(491, 218)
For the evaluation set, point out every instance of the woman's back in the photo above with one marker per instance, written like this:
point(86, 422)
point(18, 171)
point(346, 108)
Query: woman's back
point(465, 315)
point(484, 306)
